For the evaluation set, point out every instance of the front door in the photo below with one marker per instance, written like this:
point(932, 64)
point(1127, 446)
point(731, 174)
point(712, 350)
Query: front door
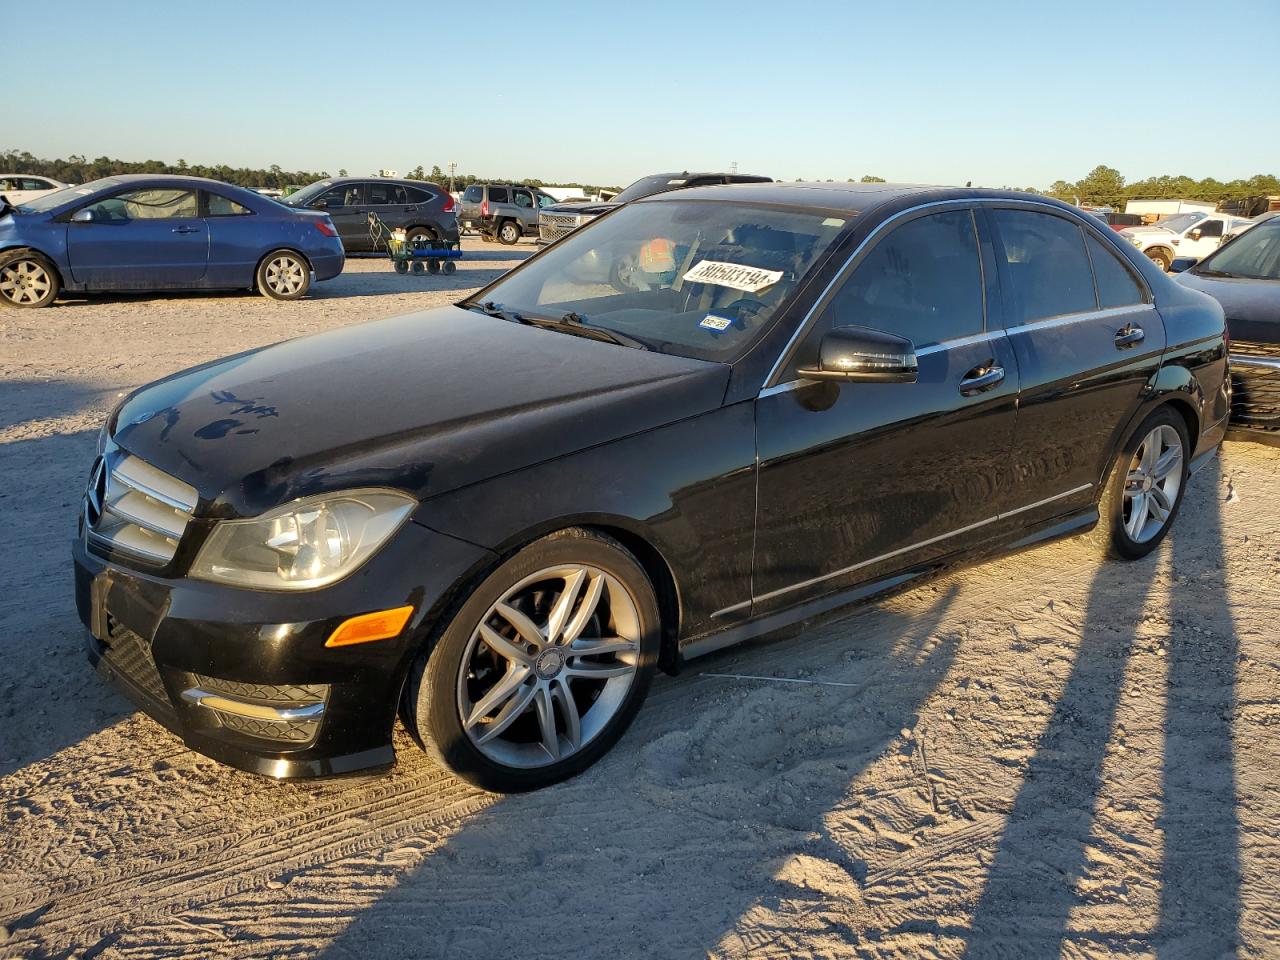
point(142, 239)
point(345, 205)
point(1087, 339)
point(857, 480)
point(1202, 239)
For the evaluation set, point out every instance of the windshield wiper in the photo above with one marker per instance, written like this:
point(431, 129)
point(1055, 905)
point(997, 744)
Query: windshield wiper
point(491, 309)
point(579, 322)
point(1222, 273)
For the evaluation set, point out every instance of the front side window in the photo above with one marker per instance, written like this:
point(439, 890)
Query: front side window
point(696, 279)
point(1210, 228)
point(1046, 265)
point(1254, 255)
point(346, 195)
point(146, 204)
point(1117, 286)
point(922, 281)
point(220, 206)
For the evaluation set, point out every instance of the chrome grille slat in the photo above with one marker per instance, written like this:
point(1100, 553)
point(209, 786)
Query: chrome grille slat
point(137, 509)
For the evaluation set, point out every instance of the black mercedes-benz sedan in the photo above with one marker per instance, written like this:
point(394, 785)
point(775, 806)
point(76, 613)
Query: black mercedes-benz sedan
point(1244, 276)
point(497, 519)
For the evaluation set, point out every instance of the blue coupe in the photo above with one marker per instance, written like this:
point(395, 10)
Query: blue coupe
point(136, 233)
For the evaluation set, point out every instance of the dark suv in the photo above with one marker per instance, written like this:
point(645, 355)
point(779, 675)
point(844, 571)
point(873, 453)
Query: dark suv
point(502, 211)
point(562, 218)
point(423, 210)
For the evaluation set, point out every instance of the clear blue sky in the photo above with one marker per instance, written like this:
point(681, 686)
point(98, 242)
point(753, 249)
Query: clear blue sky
point(1016, 93)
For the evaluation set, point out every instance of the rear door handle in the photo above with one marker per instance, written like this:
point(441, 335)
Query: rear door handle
point(1128, 336)
point(186, 229)
point(980, 379)
point(410, 209)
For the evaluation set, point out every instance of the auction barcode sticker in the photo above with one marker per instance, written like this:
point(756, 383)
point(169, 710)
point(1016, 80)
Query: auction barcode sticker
point(735, 275)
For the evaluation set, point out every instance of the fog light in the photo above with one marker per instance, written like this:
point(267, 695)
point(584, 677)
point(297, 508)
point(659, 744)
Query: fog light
point(381, 625)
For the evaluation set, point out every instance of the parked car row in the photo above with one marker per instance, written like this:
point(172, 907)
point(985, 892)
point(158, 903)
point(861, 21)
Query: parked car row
point(1193, 234)
point(714, 412)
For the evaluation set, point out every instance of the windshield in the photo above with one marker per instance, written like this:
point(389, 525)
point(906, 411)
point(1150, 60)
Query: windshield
point(695, 278)
point(648, 186)
point(1254, 255)
point(51, 201)
point(1179, 221)
point(299, 198)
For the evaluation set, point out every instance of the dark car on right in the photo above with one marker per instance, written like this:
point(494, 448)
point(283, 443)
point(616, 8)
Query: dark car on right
point(425, 211)
point(559, 219)
point(1244, 276)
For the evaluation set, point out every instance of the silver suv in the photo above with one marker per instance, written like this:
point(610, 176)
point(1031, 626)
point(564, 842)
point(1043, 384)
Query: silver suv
point(502, 211)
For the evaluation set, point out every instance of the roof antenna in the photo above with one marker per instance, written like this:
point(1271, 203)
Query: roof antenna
point(968, 183)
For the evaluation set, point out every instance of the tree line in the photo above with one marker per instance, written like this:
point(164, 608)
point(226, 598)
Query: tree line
point(1106, 186)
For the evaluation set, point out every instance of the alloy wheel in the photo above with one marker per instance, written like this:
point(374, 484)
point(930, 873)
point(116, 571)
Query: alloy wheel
point(285, 275)
point(549, 665)
point(24, 282)
point(1152, 484)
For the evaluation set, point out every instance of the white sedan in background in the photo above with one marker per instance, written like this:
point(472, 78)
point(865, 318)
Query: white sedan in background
point(19, 188)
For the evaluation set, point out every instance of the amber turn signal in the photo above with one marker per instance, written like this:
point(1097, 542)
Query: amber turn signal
point(380, 625)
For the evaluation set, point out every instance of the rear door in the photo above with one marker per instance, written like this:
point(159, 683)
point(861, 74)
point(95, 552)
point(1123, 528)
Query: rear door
point(857, 480)
point(390, 201)
point(147, 238)
point(1085, 347)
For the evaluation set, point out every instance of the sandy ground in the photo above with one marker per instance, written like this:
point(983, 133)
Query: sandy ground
point(1043, 757)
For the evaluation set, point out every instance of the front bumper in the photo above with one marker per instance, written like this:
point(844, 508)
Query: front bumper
point(1255, 390)
point(244, 677)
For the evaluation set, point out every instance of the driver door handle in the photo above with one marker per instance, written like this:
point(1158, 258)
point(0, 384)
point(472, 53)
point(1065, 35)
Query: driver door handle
point(186, 229)
point(1128, 336)
point(980, 379)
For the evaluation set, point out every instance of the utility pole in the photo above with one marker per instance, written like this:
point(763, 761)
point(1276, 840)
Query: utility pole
point(452, 167)
point(733, 166)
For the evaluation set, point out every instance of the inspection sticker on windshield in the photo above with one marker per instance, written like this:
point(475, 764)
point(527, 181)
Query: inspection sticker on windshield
point(712, 322)
point(735, 275)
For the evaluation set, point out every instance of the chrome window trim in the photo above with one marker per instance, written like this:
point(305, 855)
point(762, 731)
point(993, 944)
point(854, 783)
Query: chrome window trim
point(901, 550)
point(973, 203)
point(1066, 319)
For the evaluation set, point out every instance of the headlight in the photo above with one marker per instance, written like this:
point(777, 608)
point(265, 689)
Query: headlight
point(305, 544)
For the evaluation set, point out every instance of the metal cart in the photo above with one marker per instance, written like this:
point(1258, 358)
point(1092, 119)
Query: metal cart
point(417, 255)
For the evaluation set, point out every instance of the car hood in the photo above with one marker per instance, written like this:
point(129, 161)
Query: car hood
point(590, 209)
point(1150, 231)
point(1252, 306)
point(424, 403)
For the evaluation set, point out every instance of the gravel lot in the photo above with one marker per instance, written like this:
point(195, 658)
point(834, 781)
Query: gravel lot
point(1045, 756)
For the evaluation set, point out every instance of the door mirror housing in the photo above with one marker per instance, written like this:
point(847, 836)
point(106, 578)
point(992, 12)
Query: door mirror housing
point(321, 204)
point(1194, 234)
point(864, 355)
point(83, 216)
point(1183, 263)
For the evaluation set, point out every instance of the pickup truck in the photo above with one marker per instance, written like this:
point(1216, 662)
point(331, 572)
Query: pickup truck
point(1191, 234)
point(559, 219)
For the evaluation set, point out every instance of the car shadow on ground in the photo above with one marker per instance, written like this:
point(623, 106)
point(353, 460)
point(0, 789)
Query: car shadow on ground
point(733, 783)
point(1059, 812)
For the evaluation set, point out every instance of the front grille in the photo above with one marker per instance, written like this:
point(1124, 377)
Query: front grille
point(292, 731)
point(553, 226)
point(271, 693)
point(1255, 389)
point(277, 696)
point(135, 510)
point(129, 655)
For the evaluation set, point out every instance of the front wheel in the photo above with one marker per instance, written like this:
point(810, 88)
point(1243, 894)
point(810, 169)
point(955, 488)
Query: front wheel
point(509, 232)
point(284, 275)
point(27, 280)
point(1146, 486)
point(543, 666)
point(1161, 258)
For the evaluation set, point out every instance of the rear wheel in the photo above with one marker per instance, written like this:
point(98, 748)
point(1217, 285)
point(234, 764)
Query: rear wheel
point(421, 235)
point(284, 275)
point(543, 666)
point(509, 232)
point(417, 268)
point(449, 266)
point(1160, 257)
point(1144, 492)
point(27, 279)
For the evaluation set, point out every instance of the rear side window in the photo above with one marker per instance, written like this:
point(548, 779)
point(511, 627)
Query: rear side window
point(1117, 286)
point(220, 206)
point(417, 195)
point(1048, 269)
point(499, 195)
point(473, 194)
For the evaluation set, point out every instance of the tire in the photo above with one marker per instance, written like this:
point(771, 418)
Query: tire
point(433, 266)
point(1160, 257)
point(1136, 473)
point(417, 268)
point(284, 275)
point(420, 233)
point(509, 232)
point(28, 280)
point(590, 699)
point(402, 266)
point(449, 267)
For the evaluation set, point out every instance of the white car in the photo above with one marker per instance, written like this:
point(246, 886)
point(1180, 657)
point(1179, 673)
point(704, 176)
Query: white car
point(20, 188)
point(1183, 235)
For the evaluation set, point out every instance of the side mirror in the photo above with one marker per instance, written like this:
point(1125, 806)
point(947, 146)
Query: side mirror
point(1183, 263)
point(83, 216)
point(1194, 234)
point(320, 204)
point(864, 355)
